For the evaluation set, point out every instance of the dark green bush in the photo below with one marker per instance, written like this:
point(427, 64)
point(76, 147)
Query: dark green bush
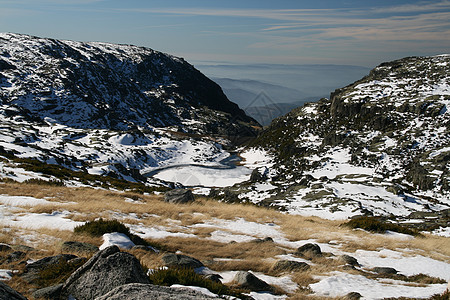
point(374, 224)
point(187, 276)
point(45, 182)
point(100, 227)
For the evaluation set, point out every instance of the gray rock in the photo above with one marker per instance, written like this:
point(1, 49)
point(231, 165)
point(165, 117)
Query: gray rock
point(31, 273)
point(106, 270)
point(23, 248)
point(309, 250)
point(348, 260)
point(290, 266)
point(385, 270)
point(179, 260)
point(139, 291)
point(179, 196)
point(249, 281)
point(7, 293)
point(15, 256)
point(353, 296)
point(5, 247)
point(78, 247)
point(264, 240)
point(51, 292)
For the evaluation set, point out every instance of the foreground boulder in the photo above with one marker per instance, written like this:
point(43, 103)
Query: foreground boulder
point(247, 280)
point(106, 270)
point(179, 196)
point(138, 291)
point(7, 293)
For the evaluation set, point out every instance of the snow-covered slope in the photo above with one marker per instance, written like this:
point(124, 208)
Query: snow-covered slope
point(378, 146)
point(110, 109)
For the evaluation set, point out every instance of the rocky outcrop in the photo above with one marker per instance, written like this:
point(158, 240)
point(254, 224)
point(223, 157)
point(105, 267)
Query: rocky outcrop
point(78, 247)
point(32, 270)
point(106, 270)
point(138, 291)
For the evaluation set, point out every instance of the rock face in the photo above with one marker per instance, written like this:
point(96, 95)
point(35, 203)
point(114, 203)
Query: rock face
point(7, 293)
point(179, 196)
point(249, 281)
point(382, 142)
point(106, 270)
point(137, 291)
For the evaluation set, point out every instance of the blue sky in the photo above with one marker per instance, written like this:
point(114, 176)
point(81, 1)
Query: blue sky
point(352, 32)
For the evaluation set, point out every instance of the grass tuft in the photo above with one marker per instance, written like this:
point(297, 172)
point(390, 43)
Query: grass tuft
point(188, 277)
point(374, 224)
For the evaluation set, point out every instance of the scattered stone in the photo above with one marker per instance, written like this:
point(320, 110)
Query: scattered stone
point(259, 174)
point(32, 270)
point(353, 296)
point(106, 270)
point(78, 247)
point(213, 277)
point(290, 266)
point(15, 256)
point(139, 291)
point(264, 240)
point(5, 247)
point(7, 293)
point(51, 292)
point(179, 260)
point(348, 260)
point(23, 248)
point(247, 280)
point(309, 250)
point(179, 196)
point(385, 270)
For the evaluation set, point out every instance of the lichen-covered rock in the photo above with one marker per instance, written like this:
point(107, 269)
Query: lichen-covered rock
point(106, 270)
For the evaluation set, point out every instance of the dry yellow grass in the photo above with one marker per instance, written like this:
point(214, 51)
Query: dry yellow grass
point(86, 204)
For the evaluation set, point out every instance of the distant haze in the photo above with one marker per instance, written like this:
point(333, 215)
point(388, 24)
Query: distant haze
point(267, 91)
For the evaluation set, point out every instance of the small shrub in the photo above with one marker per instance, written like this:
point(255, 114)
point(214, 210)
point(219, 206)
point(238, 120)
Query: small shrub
point(45, 182)
point(58, 273)
point(100, 227)
point(187, 276)
point(373, 224)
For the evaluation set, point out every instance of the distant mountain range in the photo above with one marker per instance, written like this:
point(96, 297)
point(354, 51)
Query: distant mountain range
point(266, 91)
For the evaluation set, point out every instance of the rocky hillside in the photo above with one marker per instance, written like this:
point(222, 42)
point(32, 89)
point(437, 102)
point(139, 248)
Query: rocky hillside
point(378, 146)
point(110, 109)
point(106, 86)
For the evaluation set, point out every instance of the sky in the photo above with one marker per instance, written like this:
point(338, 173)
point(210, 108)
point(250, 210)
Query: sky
point(363, 33)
